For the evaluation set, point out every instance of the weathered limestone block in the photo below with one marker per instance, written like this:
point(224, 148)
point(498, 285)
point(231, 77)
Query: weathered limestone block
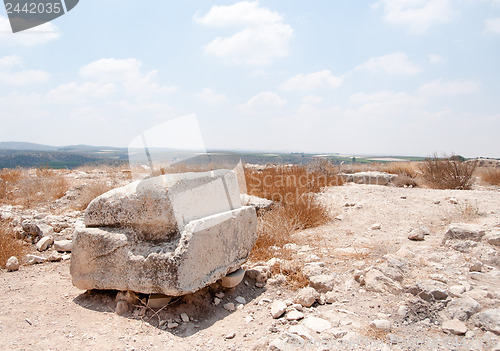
point(192, 233)
point(207, 250)
point(161, 206)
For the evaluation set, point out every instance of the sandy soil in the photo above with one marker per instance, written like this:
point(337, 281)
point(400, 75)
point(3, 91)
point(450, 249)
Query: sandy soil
point(41, 310)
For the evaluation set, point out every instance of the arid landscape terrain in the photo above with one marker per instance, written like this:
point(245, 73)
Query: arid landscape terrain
point(404, 257)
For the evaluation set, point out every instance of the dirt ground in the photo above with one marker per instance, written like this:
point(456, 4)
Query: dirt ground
point(41, 310)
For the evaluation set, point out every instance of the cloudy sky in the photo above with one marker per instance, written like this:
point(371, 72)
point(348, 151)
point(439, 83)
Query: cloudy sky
point(398, 77)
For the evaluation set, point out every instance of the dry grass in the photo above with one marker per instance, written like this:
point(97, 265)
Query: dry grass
point(31, 188)
point(89, 193)
point(448, 173)
point(9, 245)
point(490, 176)
point(292, 188)
point(469, 210)
point(296, 279)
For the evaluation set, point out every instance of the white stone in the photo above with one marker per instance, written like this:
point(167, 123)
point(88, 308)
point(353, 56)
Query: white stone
point(240, 299)
point(489, 320)
point(301, 331)
point(493, 237)
point(330, 297)
point(233, 279)
point(464, 231)
point(229, 307)
point(294, 315)
point(402, 311)
point(381, 324)
point(454, 327)
point(184, 317)
point(316, 324)
point(278, 308)
point(306, 296)
point(376, 226)
point(416, 235)
point(157, 301)
point(12, 264)
point(63, 245)
point(172, 325)
point(322, 283)
point(457, 290)
point(376, 281)
point(32, 259)
point(44, 243)
point(122, 307)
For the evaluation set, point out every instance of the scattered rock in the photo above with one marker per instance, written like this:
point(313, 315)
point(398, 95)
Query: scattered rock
point(278, 308)
point(316, 324)
point(240, 299)
point(259, 203)
point(122, 307)
point(63, 245)
point(493, 238)
point(301, 331)
point(330, 297)
point(54, 257)
point(402, 311)
point(185, 317)
point(306, 296)
point(322, 283)
point(416, 235)
point(229, 307)
point(157, 301)
point(454, 327)
point(294, 315)
point(32, 259)
point(476, 267)
point(44, 243)
point(259, 273)
point(376, 226)
point(457, 290)
point(376, 281)
point(489, 320)
point(453, 201)
point(172, 325)
point(12, 264)
point(464, 231)
point(381, 324)
point(428, 290)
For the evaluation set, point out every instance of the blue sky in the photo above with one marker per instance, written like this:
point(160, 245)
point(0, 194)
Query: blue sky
point(398, 77)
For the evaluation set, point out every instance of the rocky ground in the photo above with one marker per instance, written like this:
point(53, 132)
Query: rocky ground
point(398, 269)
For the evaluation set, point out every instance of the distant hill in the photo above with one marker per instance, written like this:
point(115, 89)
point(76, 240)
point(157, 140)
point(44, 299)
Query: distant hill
point(17, 145)
point(30, 155)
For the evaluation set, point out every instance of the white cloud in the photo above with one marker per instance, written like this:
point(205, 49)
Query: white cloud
point(33, 36)
point(265, 100)
point(433, 58)
point(262, 36)
point(312, 99)
point(396, 64)
point(417, 15)
point(10, 76)
point(440, 87)
point(312, 81)
point(492, 25)
point(128, 74)
point(212, 98)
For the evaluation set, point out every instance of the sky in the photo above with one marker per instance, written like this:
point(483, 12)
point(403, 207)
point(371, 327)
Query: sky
point(379, 77)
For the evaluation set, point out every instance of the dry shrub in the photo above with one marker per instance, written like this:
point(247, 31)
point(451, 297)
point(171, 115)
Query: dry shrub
point(22, 188)
point(89, 192)
point(296, 279)
point(491, 176)
point(404, 181)
point(292, 188)
point(448, 172)
point(408, 169)
point(9, 245)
